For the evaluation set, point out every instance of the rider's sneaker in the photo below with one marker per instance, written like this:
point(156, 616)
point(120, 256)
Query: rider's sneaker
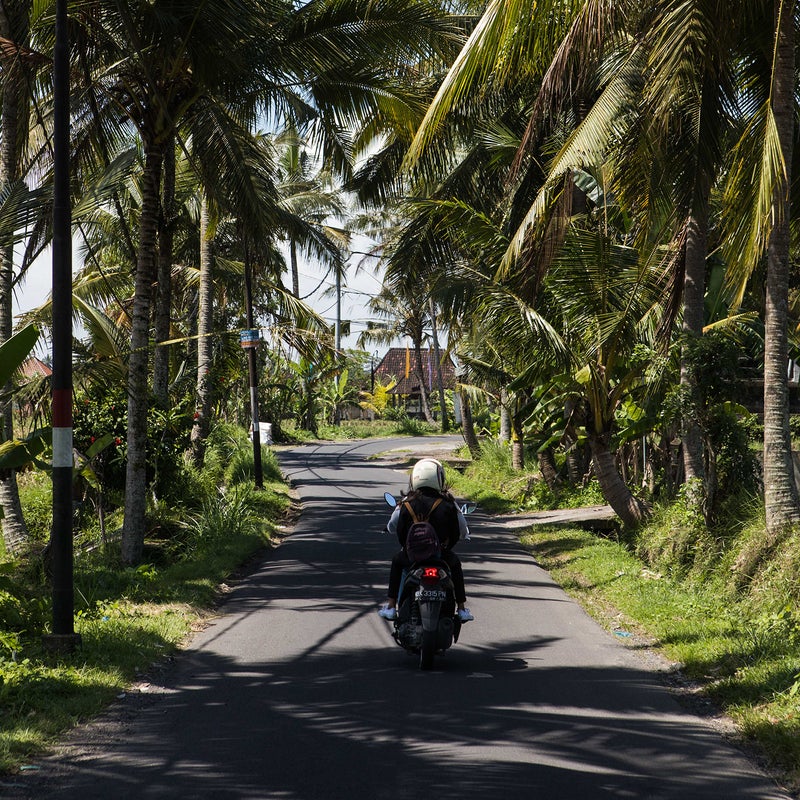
point(464, 615)
point(387, 613)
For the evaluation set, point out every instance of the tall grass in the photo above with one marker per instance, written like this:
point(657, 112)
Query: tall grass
point(129, 618)
point(741, 653)
point(231, 514)
point(723, 602)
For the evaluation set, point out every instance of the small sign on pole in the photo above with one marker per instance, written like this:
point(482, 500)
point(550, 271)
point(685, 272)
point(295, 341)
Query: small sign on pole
point(250, 337)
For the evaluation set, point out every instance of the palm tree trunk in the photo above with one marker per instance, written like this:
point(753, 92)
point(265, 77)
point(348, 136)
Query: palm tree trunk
point(547, 466)
point(294, 267)
point(517, 443)
point(161, 357)
point(423, 389)
point(578, 460)
point(134, 524)
point(694, 288)
point(468, 427)
point(205, 319)
point(780, 491)
point(505, 416)
point(15, 531)
point(628, 508)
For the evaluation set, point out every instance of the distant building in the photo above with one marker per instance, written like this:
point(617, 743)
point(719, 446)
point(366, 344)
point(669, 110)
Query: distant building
point(34, 368)
point(400, 364)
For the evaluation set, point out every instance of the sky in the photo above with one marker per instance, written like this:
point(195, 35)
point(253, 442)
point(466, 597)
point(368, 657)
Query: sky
point(362, 285)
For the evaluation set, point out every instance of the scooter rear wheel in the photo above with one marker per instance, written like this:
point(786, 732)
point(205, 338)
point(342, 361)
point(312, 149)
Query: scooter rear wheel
point(428, 650)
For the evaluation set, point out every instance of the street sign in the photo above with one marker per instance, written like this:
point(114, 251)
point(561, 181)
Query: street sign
point(250, 338)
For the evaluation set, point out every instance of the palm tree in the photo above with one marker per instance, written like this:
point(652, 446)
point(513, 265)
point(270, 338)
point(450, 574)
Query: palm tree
point(756, 224)
point(685, 120)
point(312, 197)
point(166, 242)
point(210, 67)
point(406, 317)
point(15, 52)
point(780, 489)
point(205, 321)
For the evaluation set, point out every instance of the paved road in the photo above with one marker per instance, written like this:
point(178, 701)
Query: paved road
point(299, 693)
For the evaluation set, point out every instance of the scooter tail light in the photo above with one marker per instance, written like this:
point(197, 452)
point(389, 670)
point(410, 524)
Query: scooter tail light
point(431, 572)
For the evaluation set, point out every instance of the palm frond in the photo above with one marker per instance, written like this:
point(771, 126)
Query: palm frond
point(757, 174)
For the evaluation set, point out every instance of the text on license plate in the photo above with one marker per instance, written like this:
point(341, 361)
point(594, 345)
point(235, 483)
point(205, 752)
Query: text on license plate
point(431, 594)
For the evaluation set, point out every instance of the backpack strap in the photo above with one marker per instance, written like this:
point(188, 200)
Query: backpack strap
point(414, 517)
point(410, 510)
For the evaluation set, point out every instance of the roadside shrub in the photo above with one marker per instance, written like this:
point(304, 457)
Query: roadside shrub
point(676, 541)
point(413, 427)
point(768, 565)
point(98, 412)
point(579, 496)
point(738, 468)
point(224, 441)
point(228, 515)
point(241, 468)
point(495, 458)
point(22, 612)
point(36, 499)
point(102, 411)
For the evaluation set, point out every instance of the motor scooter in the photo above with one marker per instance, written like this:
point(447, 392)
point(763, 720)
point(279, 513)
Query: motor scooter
point(426, 623)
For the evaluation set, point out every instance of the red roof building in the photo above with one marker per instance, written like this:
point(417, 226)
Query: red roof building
point(400, 364)
point(34, 368)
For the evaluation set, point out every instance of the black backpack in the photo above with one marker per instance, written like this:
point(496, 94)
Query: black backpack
point(422, 542)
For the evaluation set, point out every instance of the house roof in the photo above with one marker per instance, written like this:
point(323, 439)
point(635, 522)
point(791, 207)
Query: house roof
point(400, 360)
point(33, 367)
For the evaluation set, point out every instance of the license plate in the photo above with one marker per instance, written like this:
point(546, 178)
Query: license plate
point(432, 594)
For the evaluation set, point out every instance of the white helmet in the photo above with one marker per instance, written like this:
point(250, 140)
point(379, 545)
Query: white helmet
point(428, 472)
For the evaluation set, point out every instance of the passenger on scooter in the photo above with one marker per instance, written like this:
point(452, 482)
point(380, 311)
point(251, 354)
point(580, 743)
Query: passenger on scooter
point(428, 485)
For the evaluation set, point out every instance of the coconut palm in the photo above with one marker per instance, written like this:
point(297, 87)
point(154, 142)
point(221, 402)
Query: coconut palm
point(406, 317)
point(780, 488)
point(685, 119)
point(205, 321)
point(309, 195)
point(757, 210)
point(12, 353)
point(157, 67)
point(14, 32)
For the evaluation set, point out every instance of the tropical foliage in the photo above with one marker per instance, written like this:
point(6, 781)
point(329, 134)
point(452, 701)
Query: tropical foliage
point(587, 204)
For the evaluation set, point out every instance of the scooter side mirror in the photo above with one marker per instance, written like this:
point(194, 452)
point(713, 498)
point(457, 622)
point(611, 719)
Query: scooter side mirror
point(390, 499)
point(468, 508)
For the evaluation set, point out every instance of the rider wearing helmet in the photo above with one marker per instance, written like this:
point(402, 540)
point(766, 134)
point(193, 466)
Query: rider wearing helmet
point(427, 485)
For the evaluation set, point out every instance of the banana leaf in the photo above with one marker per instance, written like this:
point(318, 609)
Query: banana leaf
point(15, 350)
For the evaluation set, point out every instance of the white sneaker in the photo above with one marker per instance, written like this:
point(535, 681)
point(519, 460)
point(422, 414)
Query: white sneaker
point(464, 615)
point(387, 613)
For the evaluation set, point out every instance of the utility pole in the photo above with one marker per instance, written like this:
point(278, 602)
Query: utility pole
point(252, 372)
point(63, 636)
point(338, 327)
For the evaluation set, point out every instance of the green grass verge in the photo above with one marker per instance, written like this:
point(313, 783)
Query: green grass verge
point(130, 620)
point(749, 665)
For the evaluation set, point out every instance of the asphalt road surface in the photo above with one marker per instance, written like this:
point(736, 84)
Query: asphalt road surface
point(298, 692)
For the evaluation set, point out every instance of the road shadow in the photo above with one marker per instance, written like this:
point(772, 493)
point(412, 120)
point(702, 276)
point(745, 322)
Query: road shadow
point(348, 715)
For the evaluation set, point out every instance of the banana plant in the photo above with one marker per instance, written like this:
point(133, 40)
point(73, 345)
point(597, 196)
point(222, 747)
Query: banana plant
point(15, 350)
